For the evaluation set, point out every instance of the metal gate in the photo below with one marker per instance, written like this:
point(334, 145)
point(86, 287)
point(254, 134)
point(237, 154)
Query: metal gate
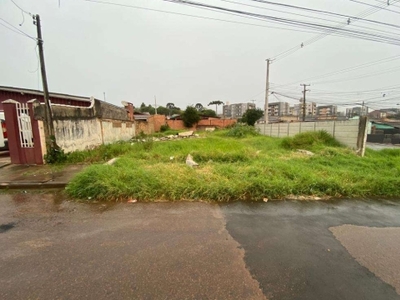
point(23, 133)
point(24, 125)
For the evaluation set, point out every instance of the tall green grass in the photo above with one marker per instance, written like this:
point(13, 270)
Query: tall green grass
point(248, 168)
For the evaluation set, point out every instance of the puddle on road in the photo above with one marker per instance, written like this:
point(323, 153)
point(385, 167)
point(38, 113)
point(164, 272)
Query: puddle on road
point(34, 202)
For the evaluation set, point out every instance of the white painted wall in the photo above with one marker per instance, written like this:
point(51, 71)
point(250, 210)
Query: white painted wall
point(72, 135)
point(345, 132)
point(112, 134)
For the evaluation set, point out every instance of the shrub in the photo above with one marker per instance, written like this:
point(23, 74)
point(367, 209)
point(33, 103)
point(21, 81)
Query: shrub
point(240, 131)
point(164, 128)
point(309, 140)
point(190, 116)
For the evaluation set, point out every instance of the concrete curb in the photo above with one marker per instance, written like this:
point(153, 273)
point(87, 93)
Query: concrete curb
point(33, 185)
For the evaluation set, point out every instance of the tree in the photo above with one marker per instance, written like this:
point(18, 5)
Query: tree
point(161, 110)
point(190, 116)
point(251, 116)
point(208, 113)
point(170, 107)
point(216, 103)
point(150, 109)
point(199, 106)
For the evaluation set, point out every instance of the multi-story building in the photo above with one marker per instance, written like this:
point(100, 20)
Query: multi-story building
point(356, 111)
point(237, 110)
point(327, 110)
point(296, 110)
point(277, 109)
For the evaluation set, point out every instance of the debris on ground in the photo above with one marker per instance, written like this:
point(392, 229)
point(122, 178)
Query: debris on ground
point(185, 134)
point(306, 152)
point(190, 162)
point(111, 161)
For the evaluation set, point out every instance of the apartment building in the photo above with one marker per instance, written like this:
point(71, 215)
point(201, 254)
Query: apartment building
point(327, 110)
point(277, 109)
point(236, 110)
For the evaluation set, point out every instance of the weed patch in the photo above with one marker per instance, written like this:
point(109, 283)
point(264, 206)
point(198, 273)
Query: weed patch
point(251, 167)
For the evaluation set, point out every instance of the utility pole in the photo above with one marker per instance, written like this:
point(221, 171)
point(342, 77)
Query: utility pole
point(155, 105)
point(266, 93)
point(304, 100)
point(49, 127)
point(104, 96)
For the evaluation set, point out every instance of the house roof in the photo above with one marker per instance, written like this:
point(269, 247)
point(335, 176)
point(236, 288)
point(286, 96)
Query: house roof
point(381, 126)
point(40, 93)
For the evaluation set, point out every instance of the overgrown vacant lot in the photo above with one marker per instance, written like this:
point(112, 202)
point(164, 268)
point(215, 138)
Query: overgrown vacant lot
point(235, 164)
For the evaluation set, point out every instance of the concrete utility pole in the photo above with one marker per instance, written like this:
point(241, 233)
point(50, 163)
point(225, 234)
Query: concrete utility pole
point(155, 105)
point(49, 127)
point(266, 93)
point(304, 100)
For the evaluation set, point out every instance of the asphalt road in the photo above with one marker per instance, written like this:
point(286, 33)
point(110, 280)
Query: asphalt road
point(55, 249)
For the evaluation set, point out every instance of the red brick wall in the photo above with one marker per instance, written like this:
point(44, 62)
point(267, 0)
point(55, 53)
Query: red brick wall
point(211, 122)
point(215, 122)
point(154, 124)
point(177, 125)
point(145, 127)
point(158, 121)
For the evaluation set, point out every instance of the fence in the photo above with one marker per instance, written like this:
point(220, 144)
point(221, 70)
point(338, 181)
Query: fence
point(352, 133)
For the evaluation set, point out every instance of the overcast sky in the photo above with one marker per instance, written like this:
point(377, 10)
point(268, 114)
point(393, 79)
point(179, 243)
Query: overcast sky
point(133, 54)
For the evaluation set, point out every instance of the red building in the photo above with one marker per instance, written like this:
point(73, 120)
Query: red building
point(24, 95)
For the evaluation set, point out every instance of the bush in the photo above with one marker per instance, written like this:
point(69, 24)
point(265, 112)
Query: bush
point(55, 156)
point(164, 128)
point(240, 131)
point(309, 140)
point(251, 116)
point(190, 116)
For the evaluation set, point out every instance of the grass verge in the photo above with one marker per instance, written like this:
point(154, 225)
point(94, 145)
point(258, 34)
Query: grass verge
point(251, 167)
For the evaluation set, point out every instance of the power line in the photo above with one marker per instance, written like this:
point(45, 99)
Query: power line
point(375, 6)
point(391, 4)
point(22, 12)
point(196, 16)
point(327, 29)
point(292, 50)
point(16, 29)
point(345, 70)
point(285, 22)
point(391, 70)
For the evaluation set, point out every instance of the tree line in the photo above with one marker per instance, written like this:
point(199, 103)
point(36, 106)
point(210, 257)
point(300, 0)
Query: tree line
point(170, 109)
point(192, 114)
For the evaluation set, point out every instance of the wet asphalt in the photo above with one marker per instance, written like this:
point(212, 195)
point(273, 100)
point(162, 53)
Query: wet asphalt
point(51, 248)
point(291, 252)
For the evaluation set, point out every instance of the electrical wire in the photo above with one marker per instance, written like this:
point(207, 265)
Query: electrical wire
point(391, 70)
point(389, 4)
point(294, 49)
point(375, 6)
point(17, 30)
point(327, 30)
point(196, 16)
point(345, 70)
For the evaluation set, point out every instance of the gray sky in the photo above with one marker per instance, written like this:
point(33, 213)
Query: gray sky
point(134, 54)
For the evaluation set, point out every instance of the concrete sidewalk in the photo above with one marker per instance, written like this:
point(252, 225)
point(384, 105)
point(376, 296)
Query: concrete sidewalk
point(36, 176)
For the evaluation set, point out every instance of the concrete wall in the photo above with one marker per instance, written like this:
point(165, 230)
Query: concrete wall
point(72, 135)
point(80, 128)
point(114, 131)
point(346, 132)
